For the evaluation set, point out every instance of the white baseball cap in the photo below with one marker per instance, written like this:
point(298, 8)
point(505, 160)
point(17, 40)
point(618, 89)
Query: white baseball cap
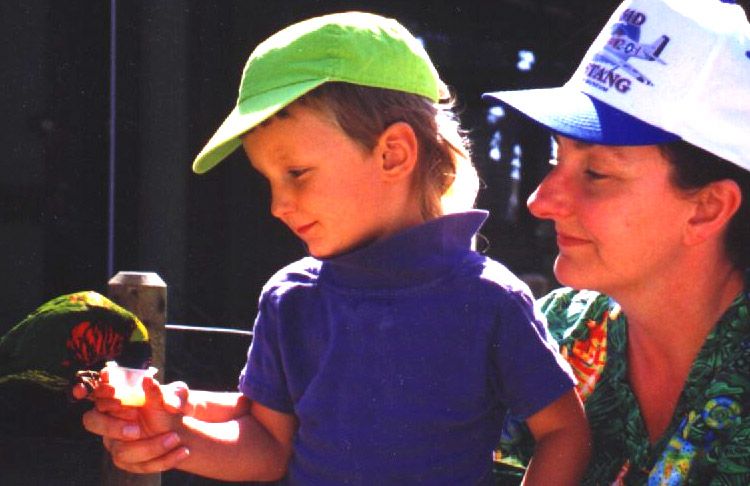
point(660, 71)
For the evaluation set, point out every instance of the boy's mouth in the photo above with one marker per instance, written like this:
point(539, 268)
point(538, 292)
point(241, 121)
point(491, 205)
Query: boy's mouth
point(301, 230)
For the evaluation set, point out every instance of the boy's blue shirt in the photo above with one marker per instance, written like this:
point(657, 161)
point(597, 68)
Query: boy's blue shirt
point(401, 359)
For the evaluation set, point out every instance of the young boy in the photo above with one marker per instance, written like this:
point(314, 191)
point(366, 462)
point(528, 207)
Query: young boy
point(392, 354)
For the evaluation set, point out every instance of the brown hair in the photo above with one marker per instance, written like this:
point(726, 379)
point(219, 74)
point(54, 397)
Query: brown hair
point(445, 177)
point(695, 168)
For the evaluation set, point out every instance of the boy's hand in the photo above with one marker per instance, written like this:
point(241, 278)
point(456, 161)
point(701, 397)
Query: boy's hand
point(158, 415)
point(94, 386)
point(145, 456)
point(161, 413)
point(130, 447)
point(141, 439)
point(83, 384)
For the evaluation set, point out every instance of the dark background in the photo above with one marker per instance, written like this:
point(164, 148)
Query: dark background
point(176, 70)
point(95, 164)
point(178, 64)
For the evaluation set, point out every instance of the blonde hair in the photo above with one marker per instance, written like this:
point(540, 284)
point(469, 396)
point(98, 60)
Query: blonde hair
point(445, 177)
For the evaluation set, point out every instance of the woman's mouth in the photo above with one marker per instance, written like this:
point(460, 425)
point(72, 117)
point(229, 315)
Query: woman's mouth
point(565, 240)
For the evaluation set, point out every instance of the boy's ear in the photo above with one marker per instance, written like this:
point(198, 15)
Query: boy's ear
point(397, 150)
point(715, 205)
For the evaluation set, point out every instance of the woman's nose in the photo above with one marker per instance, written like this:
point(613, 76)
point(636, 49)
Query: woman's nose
point(551, 198)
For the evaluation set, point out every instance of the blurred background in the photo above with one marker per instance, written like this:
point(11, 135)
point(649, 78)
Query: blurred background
point(105, 103)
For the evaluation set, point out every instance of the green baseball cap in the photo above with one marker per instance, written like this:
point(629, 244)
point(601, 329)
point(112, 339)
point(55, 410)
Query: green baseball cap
point(352, 47)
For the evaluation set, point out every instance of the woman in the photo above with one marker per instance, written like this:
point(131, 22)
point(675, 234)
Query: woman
point(650, 197)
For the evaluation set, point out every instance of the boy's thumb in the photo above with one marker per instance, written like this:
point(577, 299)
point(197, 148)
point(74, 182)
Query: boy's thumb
point(176, 397)
point(152, 391)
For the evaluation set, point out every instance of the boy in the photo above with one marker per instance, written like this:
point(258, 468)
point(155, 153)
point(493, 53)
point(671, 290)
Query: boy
point(391, 355)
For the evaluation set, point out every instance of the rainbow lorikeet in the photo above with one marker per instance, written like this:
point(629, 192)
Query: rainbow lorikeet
point(41, 355)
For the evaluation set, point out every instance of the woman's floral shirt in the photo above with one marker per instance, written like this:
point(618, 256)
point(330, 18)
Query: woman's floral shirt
point(708, 439)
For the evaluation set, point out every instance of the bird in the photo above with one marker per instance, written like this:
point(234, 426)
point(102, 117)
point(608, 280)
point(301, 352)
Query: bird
point(65, 340)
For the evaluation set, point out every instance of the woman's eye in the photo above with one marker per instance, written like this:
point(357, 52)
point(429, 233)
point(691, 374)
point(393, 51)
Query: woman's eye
point(594, 175)
point(296, 173)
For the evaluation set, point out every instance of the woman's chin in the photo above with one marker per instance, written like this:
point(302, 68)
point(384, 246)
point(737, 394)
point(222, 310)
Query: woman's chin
point(572, 276)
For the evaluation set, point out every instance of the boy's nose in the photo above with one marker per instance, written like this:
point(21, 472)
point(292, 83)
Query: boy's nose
point(549, 200)
point(281, 203)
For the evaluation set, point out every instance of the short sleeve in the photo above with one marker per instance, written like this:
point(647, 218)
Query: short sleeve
point(262, 379)
point(532, 372)
point(516, 443)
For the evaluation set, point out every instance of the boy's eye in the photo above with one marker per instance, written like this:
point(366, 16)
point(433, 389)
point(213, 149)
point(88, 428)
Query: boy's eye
point(295, 173)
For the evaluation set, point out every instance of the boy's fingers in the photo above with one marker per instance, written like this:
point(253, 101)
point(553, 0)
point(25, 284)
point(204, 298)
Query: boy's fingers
point(85, 384)
point(79, 391)
point(155, 454)
point(152, 391)
point(110, 427)
point(102, 390)
point(108, 405)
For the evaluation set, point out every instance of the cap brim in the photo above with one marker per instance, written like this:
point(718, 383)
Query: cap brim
point(571, 113)
point(245, 116)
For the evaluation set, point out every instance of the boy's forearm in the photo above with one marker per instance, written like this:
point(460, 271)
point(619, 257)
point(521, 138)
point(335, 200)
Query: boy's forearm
point(217, 406)
point(237, 450)
point(563, 443)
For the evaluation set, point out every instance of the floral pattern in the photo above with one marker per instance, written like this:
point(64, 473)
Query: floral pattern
point(708, 439)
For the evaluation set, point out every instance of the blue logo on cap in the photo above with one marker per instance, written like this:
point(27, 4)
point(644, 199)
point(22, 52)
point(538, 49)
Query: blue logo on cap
point(623, 45)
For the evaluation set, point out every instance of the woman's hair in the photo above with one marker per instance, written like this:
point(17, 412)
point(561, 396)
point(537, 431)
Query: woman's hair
point(445, 178)
point(695, 168)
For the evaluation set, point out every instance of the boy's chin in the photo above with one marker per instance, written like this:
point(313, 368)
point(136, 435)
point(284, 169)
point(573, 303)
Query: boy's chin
point(327, 253)
point(319, 253)
point(324, 254)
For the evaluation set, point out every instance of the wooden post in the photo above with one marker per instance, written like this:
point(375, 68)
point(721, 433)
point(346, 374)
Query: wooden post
point(145, 295)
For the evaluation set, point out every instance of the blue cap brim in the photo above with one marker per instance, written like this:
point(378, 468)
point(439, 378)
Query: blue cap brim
point(576, 115)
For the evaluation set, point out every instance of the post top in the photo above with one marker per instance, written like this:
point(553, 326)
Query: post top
point(143, 279)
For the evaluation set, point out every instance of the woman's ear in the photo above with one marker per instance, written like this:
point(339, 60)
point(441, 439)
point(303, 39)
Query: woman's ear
point(397, 151)
point(715, 205)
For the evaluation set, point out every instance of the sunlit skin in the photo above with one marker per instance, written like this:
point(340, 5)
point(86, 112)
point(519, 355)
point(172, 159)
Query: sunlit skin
point(624, 229)
point(333, 194)
point(619, 218)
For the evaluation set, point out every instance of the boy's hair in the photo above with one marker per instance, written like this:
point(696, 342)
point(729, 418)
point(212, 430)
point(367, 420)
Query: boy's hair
point(694, 168)
point(352, 47)
point(445, 179)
